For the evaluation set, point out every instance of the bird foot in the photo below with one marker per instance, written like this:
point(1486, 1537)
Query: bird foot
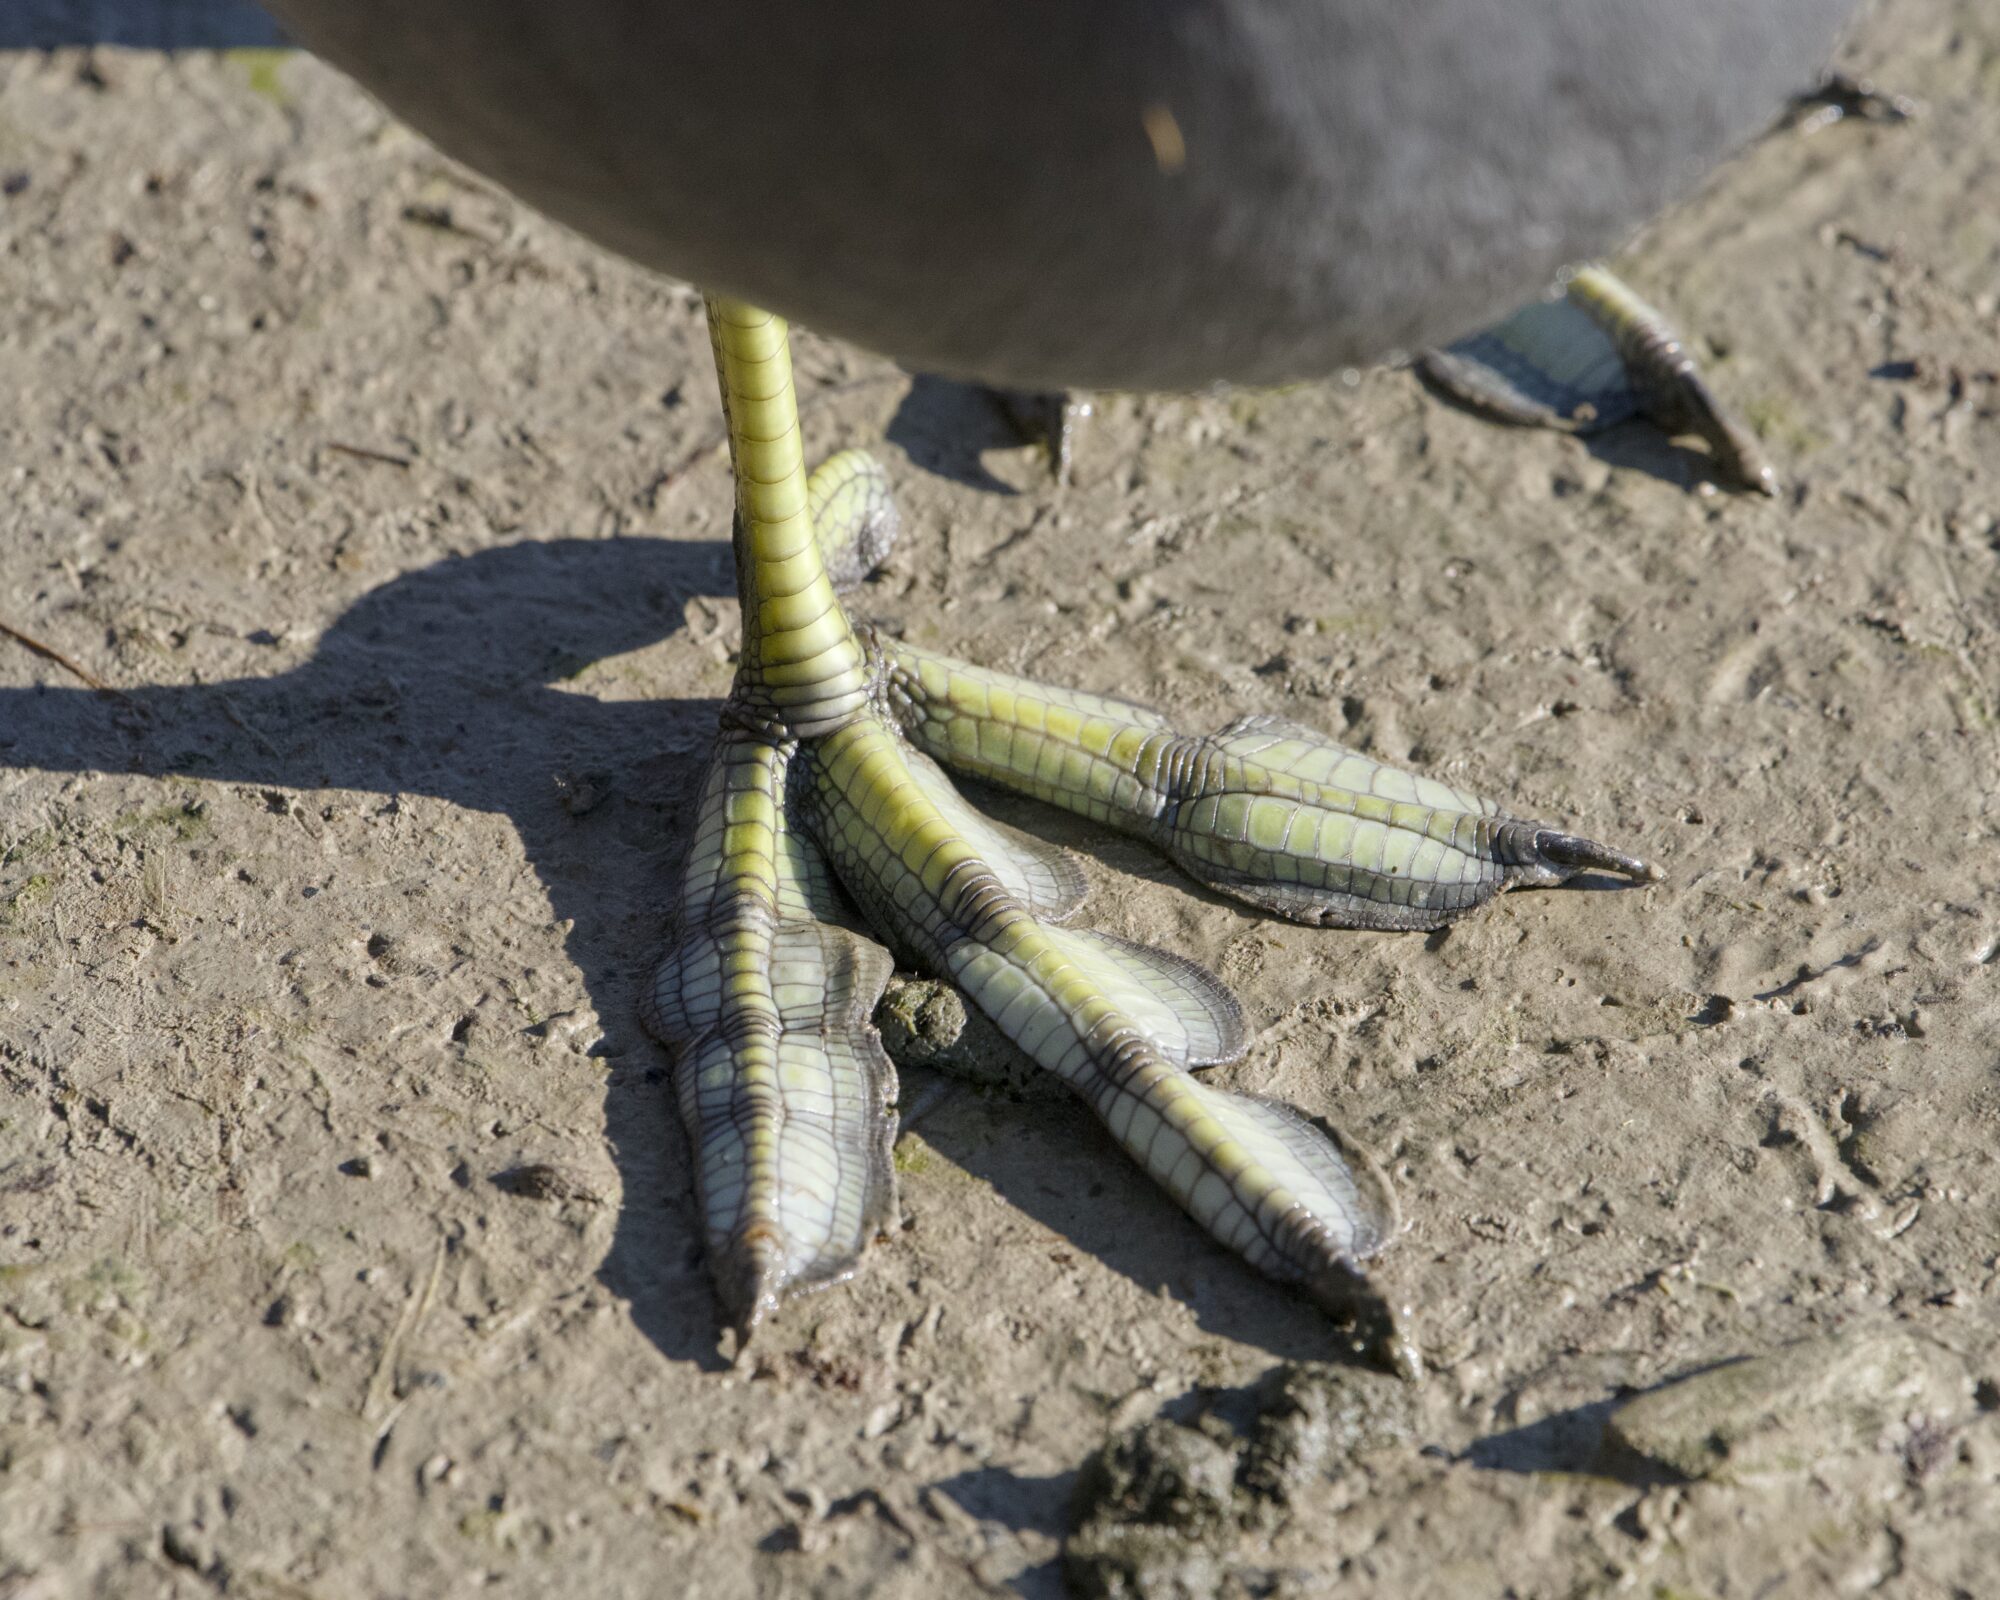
point(1588, 358)
point(807, 850)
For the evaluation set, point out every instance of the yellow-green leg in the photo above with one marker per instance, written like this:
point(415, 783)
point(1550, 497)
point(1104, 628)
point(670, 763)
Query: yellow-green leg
point(765, 997)
point(822, 795)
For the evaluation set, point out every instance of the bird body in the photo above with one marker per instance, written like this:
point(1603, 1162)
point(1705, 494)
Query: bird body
point(1112, 194)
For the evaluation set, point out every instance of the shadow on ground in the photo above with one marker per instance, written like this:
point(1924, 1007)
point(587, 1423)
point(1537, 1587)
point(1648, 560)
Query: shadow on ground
point(443, 683)
point(945, 426)
point(1637, 445)
point(137, 25)
point(447, 683)
point(1052, 1161)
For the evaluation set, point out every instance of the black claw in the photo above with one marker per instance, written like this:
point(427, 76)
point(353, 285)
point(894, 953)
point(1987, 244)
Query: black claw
point(1374, 1330)
point(1583, 855)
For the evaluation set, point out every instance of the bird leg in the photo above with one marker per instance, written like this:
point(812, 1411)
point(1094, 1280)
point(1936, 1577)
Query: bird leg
point(1589, 358)
point(1052, 418)
point(824, 794)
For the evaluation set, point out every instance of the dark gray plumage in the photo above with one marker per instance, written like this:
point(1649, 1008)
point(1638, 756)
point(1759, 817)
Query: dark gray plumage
point(989, 187)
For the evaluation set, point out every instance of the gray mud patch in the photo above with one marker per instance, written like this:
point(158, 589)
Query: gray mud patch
point(1163, 1512)
point(1803, 1408)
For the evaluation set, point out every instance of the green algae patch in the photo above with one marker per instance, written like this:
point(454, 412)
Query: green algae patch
point(185, 820)
point(261, 69)
point(20, 907)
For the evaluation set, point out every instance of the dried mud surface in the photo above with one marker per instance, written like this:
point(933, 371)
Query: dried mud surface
point(347, 1245)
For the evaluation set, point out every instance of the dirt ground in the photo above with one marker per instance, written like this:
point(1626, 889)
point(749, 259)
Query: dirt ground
point(347, 1245)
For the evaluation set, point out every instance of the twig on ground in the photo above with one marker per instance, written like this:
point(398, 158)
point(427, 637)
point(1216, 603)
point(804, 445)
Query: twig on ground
point(50, 652)
point(361, 452)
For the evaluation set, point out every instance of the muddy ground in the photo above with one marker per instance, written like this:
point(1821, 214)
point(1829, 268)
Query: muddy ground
point(347, 1245)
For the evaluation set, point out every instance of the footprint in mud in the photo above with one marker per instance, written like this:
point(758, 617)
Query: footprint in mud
point(1743, 672)
point(1835, 1185)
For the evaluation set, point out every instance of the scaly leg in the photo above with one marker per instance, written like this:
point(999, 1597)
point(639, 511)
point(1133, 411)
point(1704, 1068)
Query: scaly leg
point(766, 992)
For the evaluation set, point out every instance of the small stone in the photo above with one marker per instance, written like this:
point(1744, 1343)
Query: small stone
point(540, 1180)
point(577, 1029)
point(1785, 1413)
point(580, 793)
point(925, 1023)
point(186, 1545)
